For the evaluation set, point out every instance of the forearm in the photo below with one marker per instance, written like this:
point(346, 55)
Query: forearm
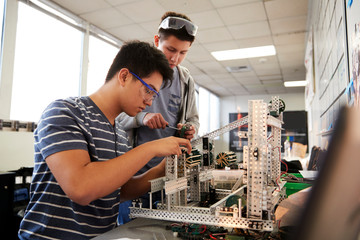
point(84, 181)
point(115, 176)
point(92, 180)
point(128, 123)
point(139, 185)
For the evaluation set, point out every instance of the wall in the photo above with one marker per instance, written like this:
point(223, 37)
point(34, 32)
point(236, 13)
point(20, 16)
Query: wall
point(328, 70)
point(17, 150)
point(293, 102)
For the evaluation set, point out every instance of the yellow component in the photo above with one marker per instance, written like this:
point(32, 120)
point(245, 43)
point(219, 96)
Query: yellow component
point(224, 159)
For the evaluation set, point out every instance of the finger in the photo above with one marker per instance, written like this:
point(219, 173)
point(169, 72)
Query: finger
point(189, 136)
point(186, 143)
point(177, 150)
point(183, 150)
point(180, 152)
point(190, 132)
point(157, 122)
point(160, 121)
point(163, 122)
point(151, 125)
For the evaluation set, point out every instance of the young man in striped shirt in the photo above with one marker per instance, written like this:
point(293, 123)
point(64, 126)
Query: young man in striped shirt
point(84, 165)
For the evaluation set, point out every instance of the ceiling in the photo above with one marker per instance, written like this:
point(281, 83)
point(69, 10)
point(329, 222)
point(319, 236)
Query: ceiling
point(223, 25)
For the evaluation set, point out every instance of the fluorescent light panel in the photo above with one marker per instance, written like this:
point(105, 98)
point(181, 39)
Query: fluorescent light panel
point(244, 53)
point(295, 83)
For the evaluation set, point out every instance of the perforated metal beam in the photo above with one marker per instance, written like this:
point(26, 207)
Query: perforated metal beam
point(220, 131)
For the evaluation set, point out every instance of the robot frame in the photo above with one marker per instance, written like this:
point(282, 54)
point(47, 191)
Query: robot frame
point(256, 189)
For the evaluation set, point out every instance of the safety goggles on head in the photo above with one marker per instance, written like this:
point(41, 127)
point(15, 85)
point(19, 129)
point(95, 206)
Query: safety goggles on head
point(177, 23)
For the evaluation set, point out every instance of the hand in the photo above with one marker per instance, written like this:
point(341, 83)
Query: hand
point(154, 121)
point(190, 131)
point(171, 146)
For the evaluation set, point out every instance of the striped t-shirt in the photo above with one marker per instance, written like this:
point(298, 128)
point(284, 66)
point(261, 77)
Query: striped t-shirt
point(73, 123)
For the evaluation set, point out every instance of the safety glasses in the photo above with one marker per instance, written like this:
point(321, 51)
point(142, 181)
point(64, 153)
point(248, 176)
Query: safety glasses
point(150, 93)
point(177, 23)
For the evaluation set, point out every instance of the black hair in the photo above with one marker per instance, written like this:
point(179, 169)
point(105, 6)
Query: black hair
point(142, 59)
point(181, 33)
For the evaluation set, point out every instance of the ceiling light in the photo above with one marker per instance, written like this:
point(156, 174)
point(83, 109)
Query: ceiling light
point(295, 83)
point(244, 53)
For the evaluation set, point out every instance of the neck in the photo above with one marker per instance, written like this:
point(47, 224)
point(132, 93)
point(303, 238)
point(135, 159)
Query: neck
point(103, 98)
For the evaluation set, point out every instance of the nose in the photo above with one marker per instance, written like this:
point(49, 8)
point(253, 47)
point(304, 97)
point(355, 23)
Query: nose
point(148, 102)
point(174, 58)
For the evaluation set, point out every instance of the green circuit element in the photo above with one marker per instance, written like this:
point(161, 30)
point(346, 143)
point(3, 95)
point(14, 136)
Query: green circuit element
point(234, 200)
point(224, 159)
point(183, 129)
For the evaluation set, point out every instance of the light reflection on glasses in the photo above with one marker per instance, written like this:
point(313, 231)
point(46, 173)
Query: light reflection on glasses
point(150, 93)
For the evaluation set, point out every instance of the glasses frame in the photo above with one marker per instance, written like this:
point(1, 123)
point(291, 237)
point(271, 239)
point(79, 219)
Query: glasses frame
point(146, 85)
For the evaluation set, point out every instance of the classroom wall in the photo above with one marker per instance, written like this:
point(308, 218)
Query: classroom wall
point(17, 150)
point(327, 56)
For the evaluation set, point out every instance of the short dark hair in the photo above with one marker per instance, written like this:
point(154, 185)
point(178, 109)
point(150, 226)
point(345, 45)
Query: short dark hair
point(181, 34)
point(142, 59)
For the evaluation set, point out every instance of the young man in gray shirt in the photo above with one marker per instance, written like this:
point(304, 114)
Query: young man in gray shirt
point(176, 105)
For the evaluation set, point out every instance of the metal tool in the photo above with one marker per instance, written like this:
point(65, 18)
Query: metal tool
point(182, 130)
point(173, 127)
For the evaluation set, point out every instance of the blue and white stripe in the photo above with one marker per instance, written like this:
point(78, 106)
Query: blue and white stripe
point(73, 123)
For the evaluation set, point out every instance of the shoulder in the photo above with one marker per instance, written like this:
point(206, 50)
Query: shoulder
point(74, 105)
point(71, 102)
point(183, 70)
point(185, 74)
point(65, 111)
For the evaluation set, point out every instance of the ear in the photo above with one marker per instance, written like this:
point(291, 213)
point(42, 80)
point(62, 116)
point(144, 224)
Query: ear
point(122, 76)
point(156, 40)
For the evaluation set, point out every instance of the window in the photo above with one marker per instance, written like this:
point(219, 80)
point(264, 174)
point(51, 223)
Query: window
point(209, 111)
point(47, 63)
point(214, 114)
point(2, 5)
point(101, 55)
point(203, 111)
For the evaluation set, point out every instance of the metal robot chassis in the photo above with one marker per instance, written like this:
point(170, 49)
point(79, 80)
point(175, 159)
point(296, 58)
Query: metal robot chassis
point(258, 182)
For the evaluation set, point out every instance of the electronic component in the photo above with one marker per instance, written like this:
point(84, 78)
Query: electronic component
point(225, 159)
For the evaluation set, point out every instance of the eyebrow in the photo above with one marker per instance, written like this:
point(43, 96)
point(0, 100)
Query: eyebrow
point(171, 48)
point(153, 87)
point(145, 83)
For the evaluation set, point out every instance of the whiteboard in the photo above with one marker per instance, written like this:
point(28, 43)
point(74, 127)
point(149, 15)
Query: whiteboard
point(353, 37)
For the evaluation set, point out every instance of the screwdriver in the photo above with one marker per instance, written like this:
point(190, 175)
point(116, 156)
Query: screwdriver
point(172, 127)
point(182, 130)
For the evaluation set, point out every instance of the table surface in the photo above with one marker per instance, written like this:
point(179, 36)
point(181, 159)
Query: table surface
point(140, 228)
